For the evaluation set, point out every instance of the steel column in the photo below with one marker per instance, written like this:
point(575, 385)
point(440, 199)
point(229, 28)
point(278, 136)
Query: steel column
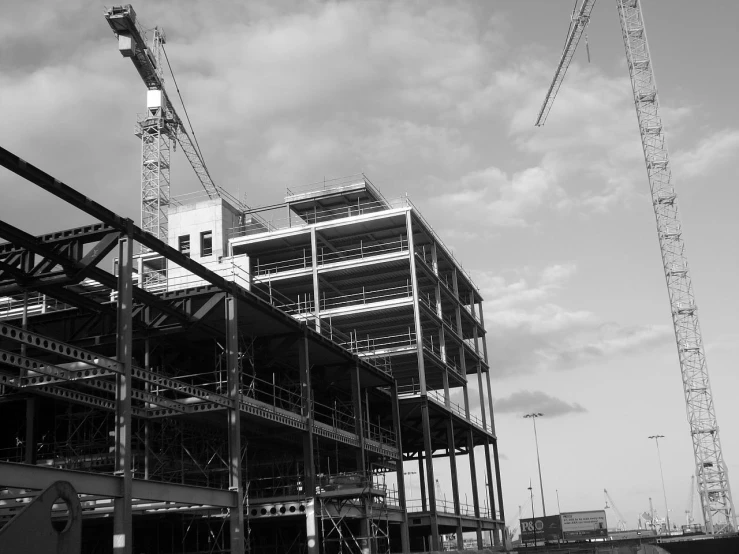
point(306, 397)
point(455, 484)
point(416, 309)
point(236, 515)
point(316, 289)
point(122, 515)
point(475, 492)
point(404, 538)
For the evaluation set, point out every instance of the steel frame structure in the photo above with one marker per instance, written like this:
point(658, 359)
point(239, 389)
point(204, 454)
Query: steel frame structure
point(375, 275)
point(179, 374)
point(710, 468)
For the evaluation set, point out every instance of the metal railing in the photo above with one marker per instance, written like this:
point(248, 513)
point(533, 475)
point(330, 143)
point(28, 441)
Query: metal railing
point(329, 184)
point(328, 256)
point(374, 345)
point(281, 221)
point(447, 507)
point(414, 389)
point(366, 297)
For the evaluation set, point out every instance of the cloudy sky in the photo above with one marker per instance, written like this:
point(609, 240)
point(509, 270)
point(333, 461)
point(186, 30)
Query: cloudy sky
point(438, 100)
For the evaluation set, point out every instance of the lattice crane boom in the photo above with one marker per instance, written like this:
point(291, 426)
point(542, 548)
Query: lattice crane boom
point(577, 27)
point(713, 482)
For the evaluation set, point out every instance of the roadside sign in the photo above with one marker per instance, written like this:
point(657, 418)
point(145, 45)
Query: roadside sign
point(584, 525)
point(541, 529)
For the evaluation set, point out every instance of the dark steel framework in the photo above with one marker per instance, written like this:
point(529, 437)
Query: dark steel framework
point(200, 420)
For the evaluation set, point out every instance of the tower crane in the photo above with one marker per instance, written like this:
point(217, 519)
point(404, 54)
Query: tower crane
point(691, 500)
point(621, 525)
point(160, 126)
point(710, 469)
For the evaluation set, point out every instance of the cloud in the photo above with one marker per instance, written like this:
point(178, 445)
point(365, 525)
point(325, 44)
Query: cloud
point(499, 293)
point(528, 331)
point(708, 155)
point(535, 401)
point(491, 198)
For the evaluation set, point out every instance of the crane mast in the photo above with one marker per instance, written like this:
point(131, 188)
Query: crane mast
point(710, 469)
point(713, 482)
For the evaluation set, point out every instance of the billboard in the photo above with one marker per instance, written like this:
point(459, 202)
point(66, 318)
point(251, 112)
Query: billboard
point(584, 525)
point(540, 528)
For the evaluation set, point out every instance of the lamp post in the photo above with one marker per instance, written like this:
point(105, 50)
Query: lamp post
point(533, 516)
point(664, 494)
point(533, 417)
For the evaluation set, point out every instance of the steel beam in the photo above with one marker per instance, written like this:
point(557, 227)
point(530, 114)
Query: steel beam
point(109, 486)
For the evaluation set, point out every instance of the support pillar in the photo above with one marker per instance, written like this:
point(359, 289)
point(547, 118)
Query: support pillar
point(365, 524)
point(497, 480)
point(309, 470)
point(122, 514)
point(316, 290)
point(489, 474)
point(475, 493)
point(428, 447)
point(236, 516)
point(30, 450)
point(422, 481)
point(455, 485)
point(404, 538)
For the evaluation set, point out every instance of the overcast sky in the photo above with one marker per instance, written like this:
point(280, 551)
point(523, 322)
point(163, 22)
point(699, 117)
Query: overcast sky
point(438, 99)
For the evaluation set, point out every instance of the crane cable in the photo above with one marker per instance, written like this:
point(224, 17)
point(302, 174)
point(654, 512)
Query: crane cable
point(187, 116)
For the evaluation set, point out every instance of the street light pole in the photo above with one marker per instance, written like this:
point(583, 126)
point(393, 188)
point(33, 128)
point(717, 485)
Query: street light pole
point(664, 494)
point(533, 516)
point(533, 417)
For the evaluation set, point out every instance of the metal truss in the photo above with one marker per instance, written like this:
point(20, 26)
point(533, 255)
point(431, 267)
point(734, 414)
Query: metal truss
point(155, 132)
point(119, 349)
point(713, 481)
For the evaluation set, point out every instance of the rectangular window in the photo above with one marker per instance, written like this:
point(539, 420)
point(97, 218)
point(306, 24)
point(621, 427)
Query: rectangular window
point(184, 241)
point(206, 243)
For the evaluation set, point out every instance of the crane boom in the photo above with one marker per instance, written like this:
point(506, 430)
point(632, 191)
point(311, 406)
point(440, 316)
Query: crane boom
point(711, 472)
point(621, 525)
point(577, 27)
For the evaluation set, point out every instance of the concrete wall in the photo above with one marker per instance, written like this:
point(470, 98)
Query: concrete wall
point(217, 216)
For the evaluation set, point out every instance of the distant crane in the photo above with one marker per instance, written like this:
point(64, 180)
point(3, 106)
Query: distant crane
point(691, 500)
point(713, 481)
point(621, 525)
point(160, 125)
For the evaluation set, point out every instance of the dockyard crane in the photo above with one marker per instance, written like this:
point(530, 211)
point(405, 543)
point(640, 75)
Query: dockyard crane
point(160, 126)
point(621, 525)
point(710, 469)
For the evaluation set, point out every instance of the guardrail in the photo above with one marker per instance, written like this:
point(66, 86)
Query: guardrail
point(328, 256)
point(280, 222)
point(414, 389)
point(447, 507)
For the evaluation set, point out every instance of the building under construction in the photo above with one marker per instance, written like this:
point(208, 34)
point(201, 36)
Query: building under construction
point(260, 383)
